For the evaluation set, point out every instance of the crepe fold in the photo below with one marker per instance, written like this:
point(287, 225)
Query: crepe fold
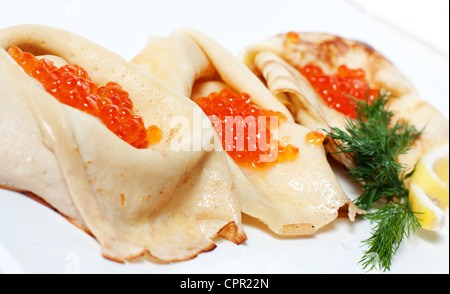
point(292, 198)
point(166, 203)
point(277, 61)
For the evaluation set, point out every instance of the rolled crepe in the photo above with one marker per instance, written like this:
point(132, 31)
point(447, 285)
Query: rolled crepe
point(294, 197)
point(277, 60)
point(155, 201)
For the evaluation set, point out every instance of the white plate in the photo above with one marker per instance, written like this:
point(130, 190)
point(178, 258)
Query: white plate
point(35, 239)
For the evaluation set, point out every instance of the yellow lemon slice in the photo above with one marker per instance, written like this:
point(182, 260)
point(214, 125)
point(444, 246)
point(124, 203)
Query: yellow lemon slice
point(431, 174)
point(440, 168)
point(430, 216)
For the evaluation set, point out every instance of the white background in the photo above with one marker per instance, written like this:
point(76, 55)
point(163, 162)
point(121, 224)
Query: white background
point(413, 34)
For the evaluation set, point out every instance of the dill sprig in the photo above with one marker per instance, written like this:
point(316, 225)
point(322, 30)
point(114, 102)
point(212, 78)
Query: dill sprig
point(393, 223)
point(374, 143)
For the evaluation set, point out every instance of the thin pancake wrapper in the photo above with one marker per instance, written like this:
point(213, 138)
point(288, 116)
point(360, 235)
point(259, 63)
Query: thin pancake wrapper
point(293, 197)
point(277, 61)
point(155, 201)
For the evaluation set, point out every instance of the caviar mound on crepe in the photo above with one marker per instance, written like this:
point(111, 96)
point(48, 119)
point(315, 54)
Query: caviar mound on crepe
point(88, 133)
point(314, 75)
point(294, 192)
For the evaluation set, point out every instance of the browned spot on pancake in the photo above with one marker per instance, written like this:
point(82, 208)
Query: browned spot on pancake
point(419, 105)
point(122, 199)
point(369, 49)
point(326, 49)
point(296, 229)
point(230, 232)
point(334, 47)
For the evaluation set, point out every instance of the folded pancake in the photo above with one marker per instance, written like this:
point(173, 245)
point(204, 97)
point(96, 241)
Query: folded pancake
point(155, 201)
point(292, 197)
point(281, 61)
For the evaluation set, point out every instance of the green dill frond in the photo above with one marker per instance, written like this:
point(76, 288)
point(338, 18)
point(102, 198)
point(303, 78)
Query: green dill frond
point(394, 222)
point(374, 144)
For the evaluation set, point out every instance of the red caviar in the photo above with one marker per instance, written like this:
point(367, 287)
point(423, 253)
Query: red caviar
point(336, 89)
point(292, 37)
point(315, 138)
point(71, 85)
point(244, 129)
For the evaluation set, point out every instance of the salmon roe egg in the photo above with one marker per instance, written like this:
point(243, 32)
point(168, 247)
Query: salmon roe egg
point(252, 144)
point(71, 85)
point(292, 37)
point(342, 90)
point(315, 138)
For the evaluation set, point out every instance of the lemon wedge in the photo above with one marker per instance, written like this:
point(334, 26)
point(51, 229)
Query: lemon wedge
point(429, 189)
point(431, 174)
point(430, 216)
point(441, 170)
